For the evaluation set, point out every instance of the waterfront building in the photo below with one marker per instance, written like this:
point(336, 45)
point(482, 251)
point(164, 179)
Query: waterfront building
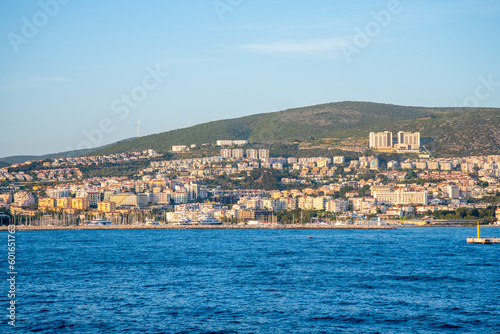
point(106, 206)
point(80, 203)
point(179, 197)
point(337, 205)
point(46, 203)
point(130, 200)
point(64, 202)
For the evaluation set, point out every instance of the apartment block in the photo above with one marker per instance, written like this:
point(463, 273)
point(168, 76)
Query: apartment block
point(80, 203)
point(263, 153)
point(252, 154)
point(106, 206)
point(64, 202)
point(380, 139)
point(408, 141)
point(46, 203)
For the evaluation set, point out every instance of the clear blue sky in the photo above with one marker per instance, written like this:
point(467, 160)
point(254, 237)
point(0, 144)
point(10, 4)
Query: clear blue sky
point(229, 58)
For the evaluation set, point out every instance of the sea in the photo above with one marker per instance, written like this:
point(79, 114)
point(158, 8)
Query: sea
point(404, 280)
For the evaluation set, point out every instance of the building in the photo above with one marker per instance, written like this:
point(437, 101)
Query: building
point(263, 153)
point(46, 203)
point(159, 198)
point(408, 141)
point(57, 193)
point(80, 203)
point(319, 203)
point(179, 197)
point(453, 191)
point(93, 197)
point(23, 199)
point(400, 197)
point(232, 142)
point(238, 153)
point(252, 154)
point(130, 200)
point(225, 152)
point(106, 206)
point(180, 148)
point(381, 189)
point(381, 139)
point(338, 160)
point(337, 205)
point(497, 214)
point(192, 191)
point(64, 202)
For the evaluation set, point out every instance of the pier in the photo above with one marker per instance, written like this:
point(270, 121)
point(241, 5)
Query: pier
point(480, 240)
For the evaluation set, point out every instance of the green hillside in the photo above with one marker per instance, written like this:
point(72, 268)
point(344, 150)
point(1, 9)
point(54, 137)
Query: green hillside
point(447, 131)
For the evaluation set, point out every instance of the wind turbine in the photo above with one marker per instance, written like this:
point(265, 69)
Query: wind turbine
point(187, 125)
point(138, 127)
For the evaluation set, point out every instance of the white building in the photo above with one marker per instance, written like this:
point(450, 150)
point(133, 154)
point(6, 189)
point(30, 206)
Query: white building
point(263, 153)
point(400, 197)
point(337, 205)
point(453, 191)
point(180, 148)
point(380, 139)
point(408, 141)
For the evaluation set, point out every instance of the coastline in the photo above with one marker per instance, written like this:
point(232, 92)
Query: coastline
point(196, 227)
point(226, 227)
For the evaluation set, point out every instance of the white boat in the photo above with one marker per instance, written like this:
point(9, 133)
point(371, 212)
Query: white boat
point(183, 221)
point(151, 222)
point(207, 220)
point(99, 221)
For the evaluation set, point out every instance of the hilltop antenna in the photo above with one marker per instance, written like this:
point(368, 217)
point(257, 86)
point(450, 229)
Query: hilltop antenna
point(138, 127)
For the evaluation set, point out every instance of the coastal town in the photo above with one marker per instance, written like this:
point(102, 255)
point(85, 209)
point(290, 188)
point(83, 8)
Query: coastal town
point(248, 186)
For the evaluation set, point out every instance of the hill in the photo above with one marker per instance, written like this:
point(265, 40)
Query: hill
point(445, 131)
point(342, 119)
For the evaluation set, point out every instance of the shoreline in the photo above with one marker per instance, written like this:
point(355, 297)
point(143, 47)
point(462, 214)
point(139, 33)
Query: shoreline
point(192, 227)
point(227, 227)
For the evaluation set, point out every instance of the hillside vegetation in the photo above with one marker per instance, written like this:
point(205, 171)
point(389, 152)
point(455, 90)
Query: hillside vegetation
point(445, 131)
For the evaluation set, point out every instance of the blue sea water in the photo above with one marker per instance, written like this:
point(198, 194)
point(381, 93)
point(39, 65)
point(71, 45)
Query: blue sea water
point(409, 280)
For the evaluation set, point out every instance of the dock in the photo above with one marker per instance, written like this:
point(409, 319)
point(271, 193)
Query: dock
point(483, 240)
point(480, 240)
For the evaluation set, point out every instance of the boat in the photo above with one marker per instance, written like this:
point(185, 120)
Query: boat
point(151, 222)
point(98, 221)
point(207, 220)
point(183, 221)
